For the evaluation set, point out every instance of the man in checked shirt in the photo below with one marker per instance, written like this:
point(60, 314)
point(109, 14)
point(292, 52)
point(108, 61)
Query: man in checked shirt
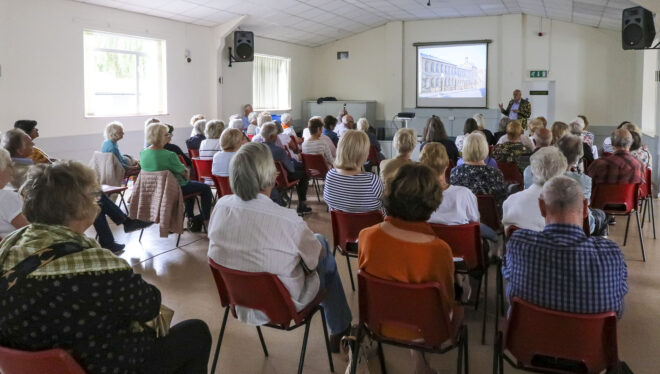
point(560, 268)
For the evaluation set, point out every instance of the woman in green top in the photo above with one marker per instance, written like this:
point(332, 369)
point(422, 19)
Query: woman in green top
point(157, 158)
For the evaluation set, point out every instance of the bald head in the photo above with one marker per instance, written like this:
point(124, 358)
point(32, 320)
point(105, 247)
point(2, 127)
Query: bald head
point(621, 140)
point(542, 137)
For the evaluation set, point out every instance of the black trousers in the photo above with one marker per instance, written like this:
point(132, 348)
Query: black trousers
point(301, 189)
point(109, 209)
point(185, 350)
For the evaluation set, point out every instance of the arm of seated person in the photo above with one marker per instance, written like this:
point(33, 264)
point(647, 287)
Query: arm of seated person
point(19, 221)
point(309, 249)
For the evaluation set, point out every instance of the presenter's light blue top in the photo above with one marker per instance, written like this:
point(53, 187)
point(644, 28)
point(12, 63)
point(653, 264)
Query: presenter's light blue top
point(110, 146)
point(514, 115)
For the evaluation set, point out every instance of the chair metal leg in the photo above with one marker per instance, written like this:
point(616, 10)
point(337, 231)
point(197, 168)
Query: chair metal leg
point(641, 239)
point(350, 272)
point(459, 362)
point(476, 300)
point(178, 238)
point(316, 187)
point(652, 213)
point(290, 197)
point(496, 352)
point(625, 236)
point(327, 340)
point(483, 323)
point(263, 343)
point(217, 347)
point(356, 350)
point(644, 205)
point(122, 201)
point(304, 345)
point(465, 354)
point(381, 358)
point(140, 238)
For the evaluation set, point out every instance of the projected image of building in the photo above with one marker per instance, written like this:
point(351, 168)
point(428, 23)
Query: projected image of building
point(441, 77)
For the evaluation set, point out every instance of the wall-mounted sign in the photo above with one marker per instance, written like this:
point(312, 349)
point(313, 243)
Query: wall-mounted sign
point(538, 73)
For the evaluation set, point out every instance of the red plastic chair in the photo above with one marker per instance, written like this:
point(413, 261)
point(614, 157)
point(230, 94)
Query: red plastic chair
point(374, 158)
point(316, 168)
point(193, 153)
point(646, 194)
point(346, 228)
point(52, 361)
point(512, 174)
point(202, 168)
point(619, 200)
point(293, 144)
point(222, 185)
point(489, 213)
point(265, 292)
point(421, 307)
point(250, 137)
point(539, 339)
point(283, 183)
point(465, 241)
point(450, 166)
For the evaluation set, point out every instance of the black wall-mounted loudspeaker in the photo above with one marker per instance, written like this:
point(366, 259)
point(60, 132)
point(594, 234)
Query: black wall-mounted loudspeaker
point(243, 46)
point(637, 29)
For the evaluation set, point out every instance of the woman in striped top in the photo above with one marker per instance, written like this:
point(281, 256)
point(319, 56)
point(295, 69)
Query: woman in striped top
point(347, 187)
point(315, 145)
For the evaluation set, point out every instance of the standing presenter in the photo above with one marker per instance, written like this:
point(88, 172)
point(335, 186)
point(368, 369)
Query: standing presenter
point(518, 109)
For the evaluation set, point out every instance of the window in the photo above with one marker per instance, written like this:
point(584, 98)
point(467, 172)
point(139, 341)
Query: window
point(124, 75)
point(271, 83)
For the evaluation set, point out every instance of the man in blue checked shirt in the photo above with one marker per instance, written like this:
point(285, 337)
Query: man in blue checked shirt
point(560, 268)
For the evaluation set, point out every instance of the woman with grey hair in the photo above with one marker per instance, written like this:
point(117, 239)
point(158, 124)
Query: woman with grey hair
point(501, 129)
point(576, 128)
point(20, 147)
point(522, 209)
point(11, 205)
point(405, 141)
point(302, 260)
point(197, 137)
point(211, 144)
point(114, 132)
point(252, 129)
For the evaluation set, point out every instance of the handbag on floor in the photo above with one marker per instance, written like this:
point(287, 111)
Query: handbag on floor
point(367, 346)
point(161, 324)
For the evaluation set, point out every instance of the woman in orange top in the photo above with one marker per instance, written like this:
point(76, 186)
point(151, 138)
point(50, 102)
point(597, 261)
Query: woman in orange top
point(404, 248)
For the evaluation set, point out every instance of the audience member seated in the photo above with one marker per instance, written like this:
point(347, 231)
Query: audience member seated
point(158, 158)
point(19, 145)
point(194, 119)
point(194, 142)
point(114, 132)
point(434, 131)
point(576, 127)
point(474, 174)
point(11, 205)
point(230, 141)
point(329, 123)
point(247, 109)
point(571, 147)
point(558, 130)
point(533, 125)
point(363, 125)
point(512, 148)
point(347, 123)
point(111, 210)
point(173, 147)
point(521, 208)
point(252, 129)
point(587, 136)
point(30, 127)
point(403, 247)
point(315, 145)
point(560, 268)
point(469, 127)
point(405, 141)
point(501, 130)
point(607, 144)
point(481, 123)
point(262, 119)
point(88, 302)
point(542, 138)
point(637, 149)
point(284, 140)
point(490, 162)
point(347, 186)
point(295, 170)
point(149, 122)
point(302, 260)
point(621, 167)
point(287, 127)
point(211, 144)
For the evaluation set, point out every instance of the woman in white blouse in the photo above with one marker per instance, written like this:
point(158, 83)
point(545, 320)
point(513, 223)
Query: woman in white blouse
point(11, 205)
point(211, 144)
point(315, 145)
point(230, 141)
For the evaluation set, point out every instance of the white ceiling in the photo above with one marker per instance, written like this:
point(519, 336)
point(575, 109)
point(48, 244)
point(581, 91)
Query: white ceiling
point(316, 22)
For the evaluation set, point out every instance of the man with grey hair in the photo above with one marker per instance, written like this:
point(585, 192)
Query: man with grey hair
point(621, 167)
point(247, 109)
point(295, 170)
point(284, 246)
point(521, 208)
point(542, 138)
point(560, 268)
point(347, 123)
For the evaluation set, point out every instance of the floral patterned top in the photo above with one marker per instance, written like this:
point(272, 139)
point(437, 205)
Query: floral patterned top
point(513, 152)
point(643, 155)
point(481, 180)
point(588, 137)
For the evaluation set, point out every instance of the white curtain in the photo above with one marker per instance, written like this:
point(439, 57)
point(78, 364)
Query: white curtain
point(270, 83)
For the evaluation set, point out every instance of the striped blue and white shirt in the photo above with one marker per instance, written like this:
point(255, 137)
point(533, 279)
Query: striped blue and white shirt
point(353, 193)
point(560, 268)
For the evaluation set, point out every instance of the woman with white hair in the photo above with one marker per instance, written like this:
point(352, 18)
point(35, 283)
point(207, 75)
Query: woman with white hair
point(363, 125)
point(230, 141)
point(252, 129)
point(287, 128)
point(114, 132)
point(11, 205)
point(198, 136)
point(576, 127)
point(211, 144)
point(522, 208)
point(405, 141)
point(19, 145)
point(193, 119)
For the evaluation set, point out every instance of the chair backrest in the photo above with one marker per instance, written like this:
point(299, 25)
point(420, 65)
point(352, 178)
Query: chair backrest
point(534, 332)
point(450, 166)
point(511, 172)
point(646, 188)
point(315, 163)
point(282, 181)
point(374, 157)
point(293, 144)
point(510, 230)
point(193, 153)
point(181, 159)
point(488, 212)
point(52, 361)
point(347, 226)
point(619, 197)
point(202, 168)
point(465, 241)
point(222, 184)
point(422, 307)
point(250, 137)
point(261, 291)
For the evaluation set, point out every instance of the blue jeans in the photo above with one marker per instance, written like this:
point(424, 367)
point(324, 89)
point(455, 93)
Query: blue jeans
point(335, 307)
point(207, 198)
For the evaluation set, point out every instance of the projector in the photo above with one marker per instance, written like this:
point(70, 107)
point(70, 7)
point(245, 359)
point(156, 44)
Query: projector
point(407, 115)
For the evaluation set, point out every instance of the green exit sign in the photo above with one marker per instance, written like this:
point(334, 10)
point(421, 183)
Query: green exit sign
point(538, 73)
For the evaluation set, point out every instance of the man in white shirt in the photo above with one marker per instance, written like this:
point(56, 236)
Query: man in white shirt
point(347, 123)
point(522, 208)
point(282, 244)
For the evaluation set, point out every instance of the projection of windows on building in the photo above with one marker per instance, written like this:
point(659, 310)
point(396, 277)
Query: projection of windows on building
point(452, 74)
point(124, 75)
